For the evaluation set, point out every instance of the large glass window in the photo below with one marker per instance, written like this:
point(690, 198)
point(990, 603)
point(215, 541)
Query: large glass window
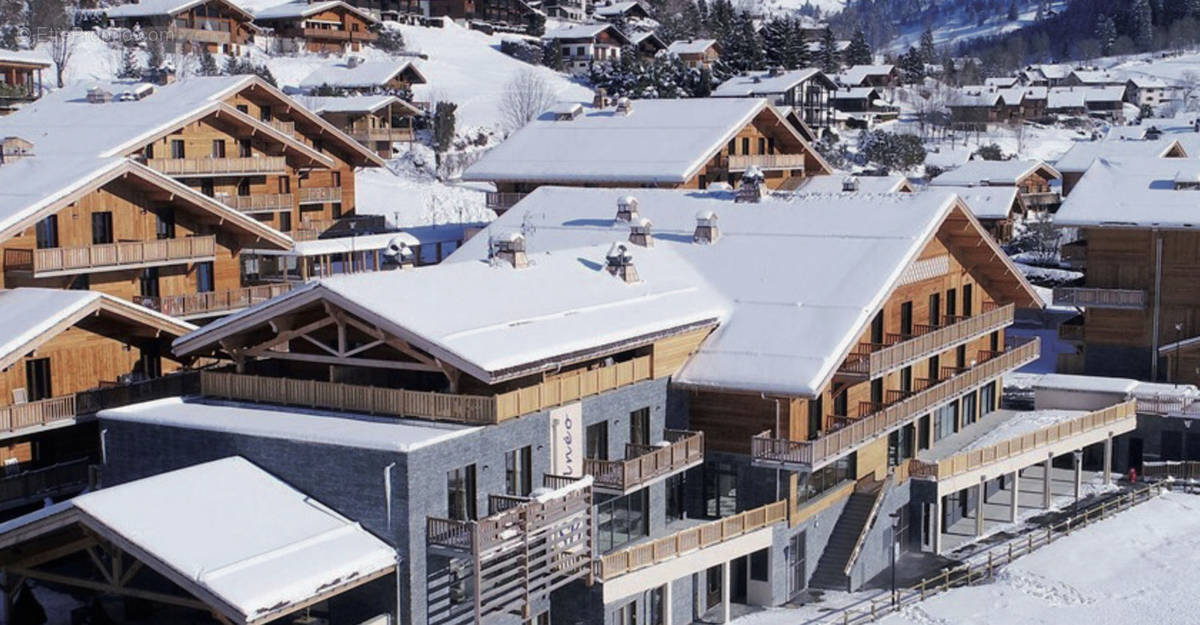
point(987, 399)
point(760, 565)
point(826, 478)
point(460, 491)
point(621, 520)
point(720, 489)
point(969, 411)
point(639, 427)
point(676, 501)
point(945, 421)
point(37, 379)
point(102, 227)
point(47, 232)
point(518, 469)
point(596, 438)
point(657, 612)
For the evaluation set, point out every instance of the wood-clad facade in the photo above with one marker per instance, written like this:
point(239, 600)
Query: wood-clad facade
point(336, 29)
point(218, 26)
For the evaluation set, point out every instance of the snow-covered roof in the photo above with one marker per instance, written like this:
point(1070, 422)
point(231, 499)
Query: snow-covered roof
point(1134, 192)
point(1001, 81)
point(153, 8)
point(1082, 154)
point(617, 9)
point(691, 46)
point(1065, 98)
point(304, 8)
point(584, 31)
point(854, 93)
point(983, 172)
point(1104, 94)
point(1084, 383)
point(293, 424)
point(1147, 82)
point(342, 245)
point(1096, 77)
point(1052, 71)
point(866, 184)
point(986, 202)
point(353, 104)
point(637, 37)
point(985, 98)
point(768, 82)
point(659, 142)
point(366, 75)
point(231, 534)
point(856, 74)
point(24, 57)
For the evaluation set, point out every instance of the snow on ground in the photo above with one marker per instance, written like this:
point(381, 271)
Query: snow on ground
point(1021, 424)
point(1046, 275)
point(408, 194)
point(957, 26)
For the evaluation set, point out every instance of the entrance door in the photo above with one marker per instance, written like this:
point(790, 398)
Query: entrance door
point(797, 581)
point(1135, 454)
point(712, 588)
point(737, 582)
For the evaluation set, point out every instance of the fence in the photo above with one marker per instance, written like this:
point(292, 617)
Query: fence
point(38, 482)
point(124, 253)
point(873, 360)
point(19, 416)
point(214, 302)
point(647, 462)
point(1178, 470)
point(172, 385)
point(215, 166)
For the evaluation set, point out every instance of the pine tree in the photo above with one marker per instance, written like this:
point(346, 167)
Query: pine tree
point(1013, 13)
point(155, 58)
point(11, 15)
point(129, 69)
point(208, 64)
point(913, 65)
point(1106, 34)
point(928, 53)
point(828, 54)
point(859, 51)
point(1143, 24)
point(443, 128)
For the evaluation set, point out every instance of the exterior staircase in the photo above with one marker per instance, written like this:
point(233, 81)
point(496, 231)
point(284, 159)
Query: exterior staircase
point(830, 573)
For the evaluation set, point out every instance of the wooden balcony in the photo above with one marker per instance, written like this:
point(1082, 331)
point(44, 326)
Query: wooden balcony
point(1084, 297)
point(189, 167)
point(871, 360)
point(693, 539)
point(326, 33)
point(57, 480)
point(382, 134)
point(812, 455)
point(261, 203)
point(57, 261)
point(501, 202)
point(644, 464)
point(320, 195)
point(311, 229)
point(975, 459)
point(469, 409)
point(201, 35)
point(524, 550)
point(37, 413)
point(215, 303)
point(1039, 201)
point(766, 161)
point(288, 128)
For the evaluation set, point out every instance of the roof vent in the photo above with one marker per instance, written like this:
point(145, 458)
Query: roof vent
point(706, 228)
point(399, 253)
point(625, 106)
point(639, 232)
point(627, 208)
point(752, 189)
point(601, 99)
point(567, 111)
point(850, 184)
point(620, 263)
point(508, 249)
point(776, 71)
point(97, 95)
point(353, 61)
point(13, 149)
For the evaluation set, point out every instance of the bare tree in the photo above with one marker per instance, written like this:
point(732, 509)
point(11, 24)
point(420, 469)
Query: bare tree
point(526, 96)
point(62, 48)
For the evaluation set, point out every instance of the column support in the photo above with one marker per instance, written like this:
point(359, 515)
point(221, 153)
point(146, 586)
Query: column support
point(1014, 508)
point(937, 525)
point(1108, 450)
point(982, 487)
point(725, 617)
point(1046, 469)
point(1078, 460)
point(666, 607)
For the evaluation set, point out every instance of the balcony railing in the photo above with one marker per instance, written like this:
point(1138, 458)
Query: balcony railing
point(320, 195)
point(219, 166)
point(342, 226)
point(646, 463)
point(472, 409)
point(766, 161)
point(201, 35)
point(500, 202)
point(689, 540)
point(971, 460)
point(871, 360)
point(269, 202)
point(326, 33)
point(821, 451)
point(111, 256)
point(1037, 200)
point(200, 304)
point(45, 482)
point(288, 128)
point(35, 413)
point(1127, 299)
point(382, 134)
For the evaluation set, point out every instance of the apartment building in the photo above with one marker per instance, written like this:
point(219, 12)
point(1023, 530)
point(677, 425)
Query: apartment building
point(318, 26)
point(376, 121)
point(1083, 154)
point(582, 45)
point(806, 91)
point(189, 26)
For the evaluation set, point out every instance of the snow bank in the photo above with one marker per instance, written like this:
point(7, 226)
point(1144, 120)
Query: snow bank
point(1021, 424)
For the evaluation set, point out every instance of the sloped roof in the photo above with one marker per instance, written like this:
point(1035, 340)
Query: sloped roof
point(370, 74)
point(1001, 81)
point(866, 184)
point(983, 172)
point(584, 31)
point(691, 46)
point(354, 104)
point(303, 8)
point(618, 8)
point(854, 93)
point(1134, 192)
point(240, 540)
point(1083, 153)
point(1096, 77)
point(152, 8)
point(24, 57)
point(660, 142)
point(856, 74)
point(766, 82)
point(986, 202)
point(1066, 98)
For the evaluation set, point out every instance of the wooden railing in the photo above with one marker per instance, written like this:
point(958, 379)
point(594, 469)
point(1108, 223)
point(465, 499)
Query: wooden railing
point(872, 360)
point(325, 33)
point(503, 201)
point(862, 535)
point(471, 409)
point(260, 202)
point(218, 166)
point(1128, 299)
point(692, 539)
point(1045, 198)
point(766, 161)
point(215, 302)
point(201, 35)
point(20, 416)
point(176, 384)
point(353, 224)
point(971, 460)
point(320, 195)
point(1171, 469)
point(382, 134)
point(46, 481)
point(287, 128)
point(840, 442)
point(647, 462)
point(112, 255)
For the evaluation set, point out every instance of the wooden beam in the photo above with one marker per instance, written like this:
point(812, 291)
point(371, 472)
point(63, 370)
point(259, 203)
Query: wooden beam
point(88, 584)
point(55, 553)
point(338, 360)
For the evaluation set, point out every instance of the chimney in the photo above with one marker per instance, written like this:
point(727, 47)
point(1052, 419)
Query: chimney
point(400, 253)
point(707, 232)
point(627, 208)
point(601, 99)
point(625, 106)
point(850, 184)
point(353, 61)
point(639, 232)
point(97, 95)
point(776, 71)
point(13, 149)
point(620, 263)
point(509, 249)
point(752, 189)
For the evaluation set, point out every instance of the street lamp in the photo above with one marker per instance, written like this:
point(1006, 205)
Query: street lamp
point(895, 550)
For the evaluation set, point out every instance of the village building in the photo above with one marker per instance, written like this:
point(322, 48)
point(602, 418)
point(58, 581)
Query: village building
point(157, 199)
point(1142, 91)
point(1083, 154)
point(1045, 75)
point(573, 10)
point(996, 207)
point(648, 43)
point(862, 107)
point(20, 78)
point(1093, 78)
point(1033, 180)
point(582, 45)
point(1001, 82)
point(376, 121)
point(805, 91)
point(1138, 300)
point(357, 77)
point(674, 144)
point(325, 26)
point(621, 11)
point(189, 26)
point(850, 183)
point(880, 76)
point(696, 53)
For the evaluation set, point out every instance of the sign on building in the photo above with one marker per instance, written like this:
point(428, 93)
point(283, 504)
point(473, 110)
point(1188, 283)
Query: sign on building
point(566, 443)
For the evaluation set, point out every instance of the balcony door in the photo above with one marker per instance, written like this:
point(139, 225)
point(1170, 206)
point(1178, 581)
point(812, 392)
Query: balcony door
point(37, 379)
point(102, 228)
point(148, 282)
point(639, 427)
point(460, 491)
point(47, 233)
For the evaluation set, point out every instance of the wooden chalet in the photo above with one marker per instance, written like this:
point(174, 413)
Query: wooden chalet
point(377, 122)
point(620, 12)
point(357, 77)
point(880, 76)
point(189, 26)
point(645, 143)
point(648, 43)
point(65, 355)
point(1083, 154)
point(1031, 178)
point(996, 207)
point(581, 45)
point(20, 78)
point(807, 92)
point(163, 213)
point(325, 26)
point(696, 53)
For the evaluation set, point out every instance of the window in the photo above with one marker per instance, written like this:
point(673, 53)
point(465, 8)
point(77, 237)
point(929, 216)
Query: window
point(218, 148)
point(336, 210)
point(745, 145)
point(244, 148)
point(906, 319)
point(244, 109)
point(148, 282)
point(164, 227)
point(150, 361)
point(771, 146)
point(102, 228)
point(815, 417)
point(285, 222)
point(877, 391)
point(204, 277)
point(626, 614)
point(994, 341)
point(285, 185)
point(148, 151)
point(951, 303)
point(945, 421)
point(639, 427)
point(460, 491)
point(676, 497)
point(518, 471)
point(762, 145)
point(840, 402)
point(243, 187)
point(177, 149)
point(621, 520)
point(335, 179)
point(877, 328)
point(987, 399)
point(720, 489)
point(596, 438)
point(969, 412)
point(731, 147)
point(206, 187)
point(264, 113)
point(960, 356)
point(657, 612)
point(760, 565)
point(968, 306)
point(37, 379)
point(906, 379)
point(47, 232)
point(935, 309)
